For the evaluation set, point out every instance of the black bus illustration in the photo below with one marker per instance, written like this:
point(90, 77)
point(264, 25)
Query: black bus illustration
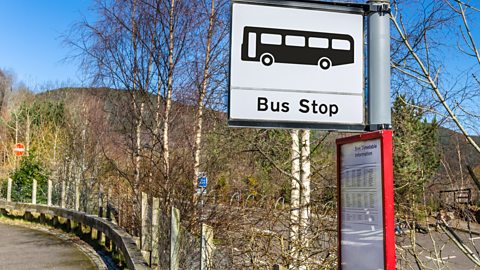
point(270, 45)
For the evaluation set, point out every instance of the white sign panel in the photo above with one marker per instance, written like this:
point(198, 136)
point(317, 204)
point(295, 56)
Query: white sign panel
point(296, 65)
point(362, 235)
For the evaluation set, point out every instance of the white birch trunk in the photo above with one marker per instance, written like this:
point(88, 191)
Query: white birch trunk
point(16, 128)
point(77, 190)
point(138, 107)
point(55, 163)
point(305, 195)
point(83, 173)
point(295, 199)
point(27, 134)
point(168, 97)
point(158, 66)
point(201, 98)
point(138, 146)
point(16, 138)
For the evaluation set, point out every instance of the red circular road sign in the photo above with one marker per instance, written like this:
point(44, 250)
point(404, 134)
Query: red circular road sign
point(19, 149)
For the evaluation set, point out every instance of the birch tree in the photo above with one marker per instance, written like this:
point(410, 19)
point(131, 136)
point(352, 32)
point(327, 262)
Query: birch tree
point(113, 52)
point(300, 198)
point(211, 75)
point(295, 198)
point(201, 97)
point(305, 195)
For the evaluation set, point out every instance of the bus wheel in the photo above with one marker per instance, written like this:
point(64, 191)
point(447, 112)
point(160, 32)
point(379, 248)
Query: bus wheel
point(324, 63)
point(267, 59)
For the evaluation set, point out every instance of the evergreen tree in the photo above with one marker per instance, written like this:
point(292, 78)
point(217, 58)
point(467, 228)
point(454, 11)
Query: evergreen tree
point(30, 168)
point(416, 157)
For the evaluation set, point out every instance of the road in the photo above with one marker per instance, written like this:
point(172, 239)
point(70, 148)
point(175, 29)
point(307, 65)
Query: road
point(448, 255)
point(22, 248)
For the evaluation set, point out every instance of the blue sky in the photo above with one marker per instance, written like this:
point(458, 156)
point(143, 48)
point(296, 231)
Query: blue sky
point(31, 40)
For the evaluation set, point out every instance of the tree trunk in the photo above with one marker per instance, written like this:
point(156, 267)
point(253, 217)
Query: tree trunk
point(27, 134)
point(138, 107)
point(305, 195)
point(168, 97)
point(201, 98)
point(83, 173)
point(16, 127)
point(77, 190)
point(295, 199)
point(16, 138)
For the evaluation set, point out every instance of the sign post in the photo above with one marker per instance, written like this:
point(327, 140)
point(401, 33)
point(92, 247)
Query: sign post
point(379, 112)
point(366, 237)
point(202, 182)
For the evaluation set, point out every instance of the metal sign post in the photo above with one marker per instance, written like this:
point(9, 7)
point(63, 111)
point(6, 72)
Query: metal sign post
point(379, 112)
point(202, 182)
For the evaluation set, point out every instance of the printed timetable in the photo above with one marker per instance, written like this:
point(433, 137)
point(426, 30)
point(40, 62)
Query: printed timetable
point(359, 196)
point(361, 204)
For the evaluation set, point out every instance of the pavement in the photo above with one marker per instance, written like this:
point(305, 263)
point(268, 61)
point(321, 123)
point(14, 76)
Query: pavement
point(23, 248)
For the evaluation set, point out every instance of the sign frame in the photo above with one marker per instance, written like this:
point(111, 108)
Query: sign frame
point(351, 8)
point(388, 215)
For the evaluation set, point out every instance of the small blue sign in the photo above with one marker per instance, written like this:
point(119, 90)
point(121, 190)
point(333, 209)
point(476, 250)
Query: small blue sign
point(202, 181)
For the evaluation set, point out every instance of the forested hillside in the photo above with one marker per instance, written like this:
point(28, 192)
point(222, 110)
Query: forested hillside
point(83, 135)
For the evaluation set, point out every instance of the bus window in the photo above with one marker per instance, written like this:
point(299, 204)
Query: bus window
point(321, 43)
point(252, 44)
point(339, 44)
point(271, 39)
point(297, 41)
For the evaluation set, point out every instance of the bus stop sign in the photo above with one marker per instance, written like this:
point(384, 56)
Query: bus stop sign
point(297, 65)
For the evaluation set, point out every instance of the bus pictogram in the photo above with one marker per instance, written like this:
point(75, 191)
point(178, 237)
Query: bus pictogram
point(270, 45)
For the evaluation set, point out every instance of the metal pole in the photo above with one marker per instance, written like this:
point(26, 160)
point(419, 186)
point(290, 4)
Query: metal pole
point(379, 114)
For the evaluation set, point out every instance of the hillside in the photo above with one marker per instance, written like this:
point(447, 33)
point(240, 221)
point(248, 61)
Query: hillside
point(229, 150)
point(450, 141)
point(453, 143)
